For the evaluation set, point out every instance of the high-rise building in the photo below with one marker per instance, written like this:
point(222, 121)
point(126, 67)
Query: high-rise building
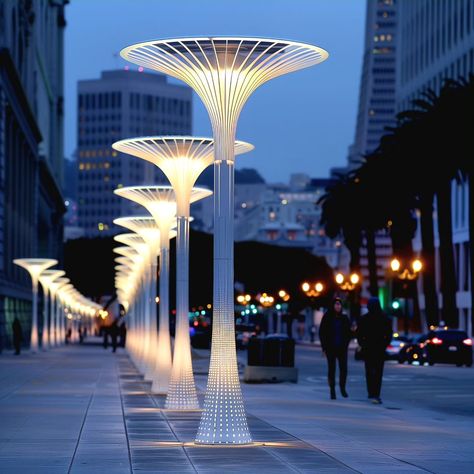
point(377, 84)
point(121, 104)
point(436, 42)
point(31, 147)
point(376, 107)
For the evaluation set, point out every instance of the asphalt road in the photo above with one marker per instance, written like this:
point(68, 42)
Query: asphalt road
point(447, 389)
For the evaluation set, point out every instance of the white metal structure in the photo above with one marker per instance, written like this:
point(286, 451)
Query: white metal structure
point(157, 199)
point(46, 278)
point(224, 71)
point(35, 266)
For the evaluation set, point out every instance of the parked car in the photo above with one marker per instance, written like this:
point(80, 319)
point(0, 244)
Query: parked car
point(243, 333)
point(450, 346)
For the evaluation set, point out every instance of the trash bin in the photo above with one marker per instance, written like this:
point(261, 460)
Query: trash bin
point(279, 351)
point(275, 350)
point(255, 351)
point(271, 359)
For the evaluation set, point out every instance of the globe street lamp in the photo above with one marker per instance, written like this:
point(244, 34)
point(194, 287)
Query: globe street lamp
point(405, 273)
point(312, 290)
point(46, 278)
point(347, 283)
point(224, 72)
point(35, 266)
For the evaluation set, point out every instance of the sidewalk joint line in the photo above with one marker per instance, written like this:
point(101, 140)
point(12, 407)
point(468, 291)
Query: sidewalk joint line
point(80, 433)
point(117, 371)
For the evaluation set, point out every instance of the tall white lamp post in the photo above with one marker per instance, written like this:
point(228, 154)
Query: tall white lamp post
point(181, 390)
point(182, 159)
point(224, 72)
point(54, 287)
point(34, 266)
point(158, 241)
point(46, 278)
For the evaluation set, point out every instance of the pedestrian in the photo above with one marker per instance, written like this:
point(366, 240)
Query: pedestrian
point(105, 334)
point(114, 330)
point(68, 335)
point(335, 335)
point(123, 334)
point(17, 335)
point(374, 334)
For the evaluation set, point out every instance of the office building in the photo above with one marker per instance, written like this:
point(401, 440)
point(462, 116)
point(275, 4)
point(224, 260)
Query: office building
point(376, 109)
point(121, 104)
point(31, 147)
point(436, 42)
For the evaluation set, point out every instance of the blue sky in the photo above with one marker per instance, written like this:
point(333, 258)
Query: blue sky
point(302, 122)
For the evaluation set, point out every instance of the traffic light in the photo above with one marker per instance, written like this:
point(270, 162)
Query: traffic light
point(395, 304)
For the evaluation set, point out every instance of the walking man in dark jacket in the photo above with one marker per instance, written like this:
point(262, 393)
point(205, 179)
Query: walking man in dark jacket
point(374, 335)
point(17, 335)
point(335, 335)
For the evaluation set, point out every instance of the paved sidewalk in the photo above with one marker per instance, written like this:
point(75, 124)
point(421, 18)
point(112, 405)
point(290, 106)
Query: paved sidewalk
point(86, 410)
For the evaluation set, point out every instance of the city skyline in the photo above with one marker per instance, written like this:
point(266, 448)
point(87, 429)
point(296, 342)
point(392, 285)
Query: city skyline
point(313, 112)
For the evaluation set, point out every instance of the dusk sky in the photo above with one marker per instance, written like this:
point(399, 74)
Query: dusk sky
point(302, 122)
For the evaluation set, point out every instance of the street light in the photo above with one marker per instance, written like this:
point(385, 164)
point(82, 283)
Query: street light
point(54, 287)
point(158, 243)
point(409, 272)
point(266, 300)
point(46, 278)
point(182, 160)
point(244, 299)
point(347, 283)
point(405, 272)
point(163, 204)
point(35, 266)
point(312, 290)
point(224, 72)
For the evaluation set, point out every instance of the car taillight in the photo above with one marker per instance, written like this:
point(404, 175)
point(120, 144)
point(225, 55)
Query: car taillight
point(468, 342)
point(436, 341)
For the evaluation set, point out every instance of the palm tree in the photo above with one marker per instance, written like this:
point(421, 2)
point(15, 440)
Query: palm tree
point(340, 216)
point(465, 153)
point(437, 119)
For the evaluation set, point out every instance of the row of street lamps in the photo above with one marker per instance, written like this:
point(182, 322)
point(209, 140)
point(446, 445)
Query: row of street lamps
point(347, 283)
point(224, 72)
point(61, 302)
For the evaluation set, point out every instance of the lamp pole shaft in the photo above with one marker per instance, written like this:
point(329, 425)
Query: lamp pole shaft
point(45, 333)
point(182, 391)
point(223, 419)
point(163, 362)
point(34, 319)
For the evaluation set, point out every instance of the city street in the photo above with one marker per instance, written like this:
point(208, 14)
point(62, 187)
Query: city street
point(83, 409)
point(424, 424)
